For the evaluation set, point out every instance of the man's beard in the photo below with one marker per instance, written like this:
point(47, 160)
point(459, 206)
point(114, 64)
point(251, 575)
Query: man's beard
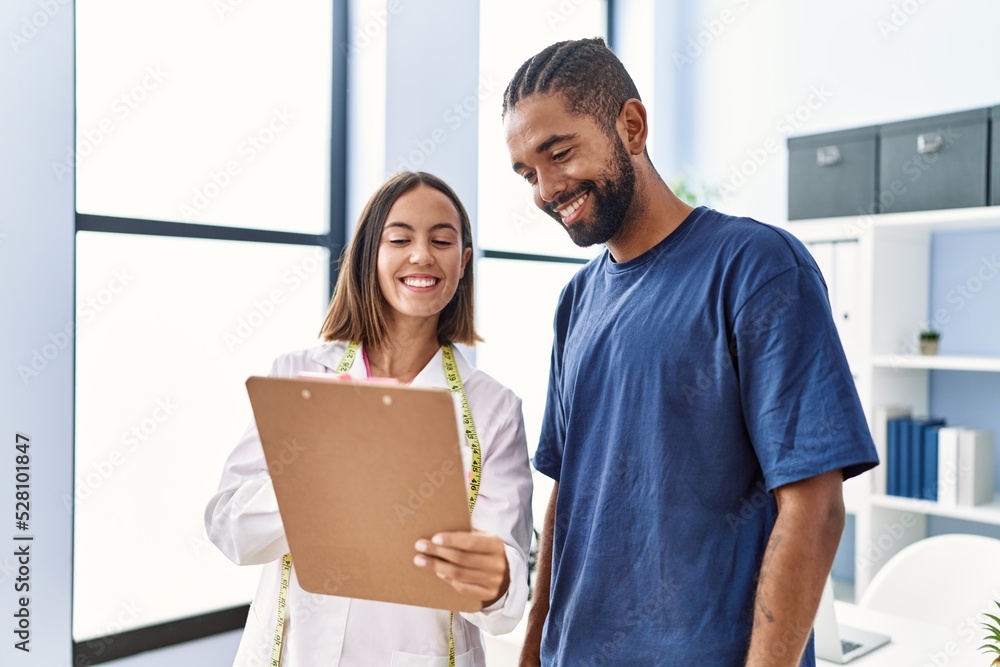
point(609, 201)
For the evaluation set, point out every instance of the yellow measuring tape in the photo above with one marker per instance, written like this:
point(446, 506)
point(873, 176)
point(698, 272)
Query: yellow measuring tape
point(456, 386)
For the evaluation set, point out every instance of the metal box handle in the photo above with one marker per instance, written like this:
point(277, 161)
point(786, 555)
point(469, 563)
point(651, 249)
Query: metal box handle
point(827, 156)
point(932, 142)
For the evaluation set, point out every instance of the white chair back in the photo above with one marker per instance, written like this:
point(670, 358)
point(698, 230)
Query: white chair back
point(945, 580)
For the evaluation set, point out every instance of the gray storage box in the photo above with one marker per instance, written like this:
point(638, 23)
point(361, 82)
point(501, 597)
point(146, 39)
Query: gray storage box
point(934, 163)
point(832, 174)
point(995, 167)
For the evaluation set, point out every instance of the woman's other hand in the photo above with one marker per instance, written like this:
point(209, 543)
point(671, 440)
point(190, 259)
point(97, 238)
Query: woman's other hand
point(474, 563)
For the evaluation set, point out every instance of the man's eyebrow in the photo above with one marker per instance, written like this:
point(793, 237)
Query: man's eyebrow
point(546, 145)
point(553, 140)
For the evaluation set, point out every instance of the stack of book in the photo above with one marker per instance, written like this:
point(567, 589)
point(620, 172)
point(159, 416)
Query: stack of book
point(923, 457)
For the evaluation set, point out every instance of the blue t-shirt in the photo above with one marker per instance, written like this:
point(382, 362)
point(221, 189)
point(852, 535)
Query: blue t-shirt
point(686, 385)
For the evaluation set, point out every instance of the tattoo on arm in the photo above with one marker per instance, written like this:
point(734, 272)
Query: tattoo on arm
point(765, 566)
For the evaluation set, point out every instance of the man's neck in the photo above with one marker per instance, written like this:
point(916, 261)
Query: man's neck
point(656, 212)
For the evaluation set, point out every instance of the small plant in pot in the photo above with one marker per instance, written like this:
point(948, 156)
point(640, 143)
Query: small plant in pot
point(992, 637)
point(929, 341)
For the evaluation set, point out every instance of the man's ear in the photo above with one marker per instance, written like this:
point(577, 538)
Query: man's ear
point(632, 127)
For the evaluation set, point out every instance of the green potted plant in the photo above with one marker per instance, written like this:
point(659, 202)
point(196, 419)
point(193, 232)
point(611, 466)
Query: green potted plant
point(992, 637)
point(929, 341)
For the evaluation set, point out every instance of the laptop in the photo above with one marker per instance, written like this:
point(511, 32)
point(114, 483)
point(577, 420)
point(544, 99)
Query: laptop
point(841, 644)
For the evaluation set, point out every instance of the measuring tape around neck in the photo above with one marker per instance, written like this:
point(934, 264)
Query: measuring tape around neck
point(468, 426)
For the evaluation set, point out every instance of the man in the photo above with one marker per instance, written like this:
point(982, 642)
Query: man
point(701, 416)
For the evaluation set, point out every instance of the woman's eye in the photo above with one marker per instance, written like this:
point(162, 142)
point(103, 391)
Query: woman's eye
point(398, 242)
point(444, 243)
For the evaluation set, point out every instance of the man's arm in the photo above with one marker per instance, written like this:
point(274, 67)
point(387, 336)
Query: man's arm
point(531, 652)
point(794, 569)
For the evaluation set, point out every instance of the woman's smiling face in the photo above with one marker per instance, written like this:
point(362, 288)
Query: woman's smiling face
point(420, 255)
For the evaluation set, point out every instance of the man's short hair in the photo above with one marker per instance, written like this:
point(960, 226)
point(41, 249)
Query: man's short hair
point(588, 73)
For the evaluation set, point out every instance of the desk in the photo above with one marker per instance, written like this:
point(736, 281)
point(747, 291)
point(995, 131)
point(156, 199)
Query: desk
point(914, 644)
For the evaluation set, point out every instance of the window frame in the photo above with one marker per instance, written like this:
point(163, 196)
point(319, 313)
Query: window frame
point(112, 647)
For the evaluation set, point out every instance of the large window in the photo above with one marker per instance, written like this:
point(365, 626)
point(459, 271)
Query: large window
point(527, 256)
point(203, 112)
point(508, 220)
point(207, 218)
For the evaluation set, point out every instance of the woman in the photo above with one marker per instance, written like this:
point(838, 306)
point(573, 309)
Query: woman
point(405, 293)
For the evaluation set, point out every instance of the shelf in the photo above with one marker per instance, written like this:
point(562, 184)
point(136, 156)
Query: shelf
point(850, 226)
point(988, 513)
point(822, 230)
point(983, 217)
point(944, 363)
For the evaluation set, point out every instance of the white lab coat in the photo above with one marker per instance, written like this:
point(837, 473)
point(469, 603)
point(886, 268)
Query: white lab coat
point(242, 520)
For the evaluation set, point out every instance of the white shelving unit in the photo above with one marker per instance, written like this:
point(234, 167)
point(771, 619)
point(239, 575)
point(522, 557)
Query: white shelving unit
point(988, 513)
point(990, 364)
point(889, 308)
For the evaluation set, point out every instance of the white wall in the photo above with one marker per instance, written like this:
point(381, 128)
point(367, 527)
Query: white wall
point(433, 93)
point(36, 307)
point(735, 76)
point(366, 110)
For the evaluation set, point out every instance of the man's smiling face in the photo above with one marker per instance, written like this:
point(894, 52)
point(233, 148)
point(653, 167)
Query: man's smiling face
point(578, 174)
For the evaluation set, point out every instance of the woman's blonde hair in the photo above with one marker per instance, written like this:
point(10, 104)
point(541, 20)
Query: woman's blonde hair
point(357, 309)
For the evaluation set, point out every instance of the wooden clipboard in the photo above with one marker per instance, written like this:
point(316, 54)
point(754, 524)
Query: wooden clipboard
point(362, 471)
